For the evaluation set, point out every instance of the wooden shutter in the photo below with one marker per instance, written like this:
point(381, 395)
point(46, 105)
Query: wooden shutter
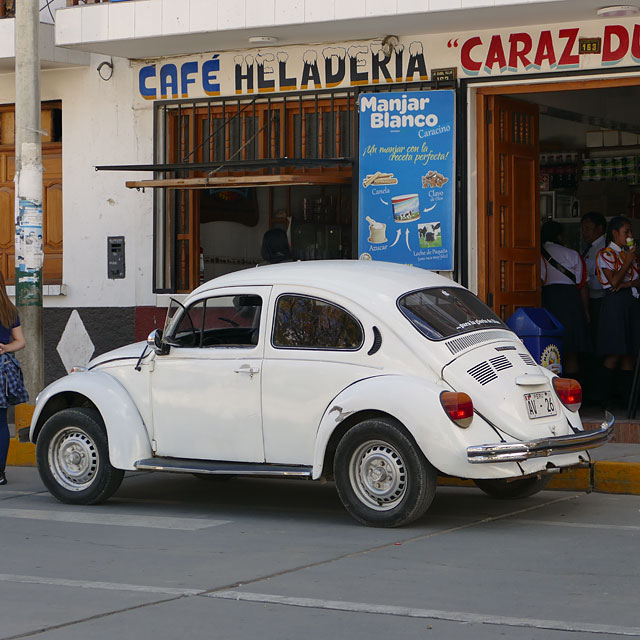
point(512, 209)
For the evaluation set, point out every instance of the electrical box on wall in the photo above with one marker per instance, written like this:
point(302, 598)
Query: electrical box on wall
point(115, 257)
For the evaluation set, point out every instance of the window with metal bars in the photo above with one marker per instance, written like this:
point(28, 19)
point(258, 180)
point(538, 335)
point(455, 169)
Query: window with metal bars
point(289, 133)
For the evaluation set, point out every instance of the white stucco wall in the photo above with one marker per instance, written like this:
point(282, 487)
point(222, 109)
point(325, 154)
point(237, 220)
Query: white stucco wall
point(100, 127)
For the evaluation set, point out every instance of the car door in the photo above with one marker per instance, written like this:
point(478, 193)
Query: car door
point(315, 350)
point(205, 391)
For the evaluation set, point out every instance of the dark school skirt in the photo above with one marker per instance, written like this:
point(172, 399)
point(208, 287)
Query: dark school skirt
point(565, 303)
point(619, 324)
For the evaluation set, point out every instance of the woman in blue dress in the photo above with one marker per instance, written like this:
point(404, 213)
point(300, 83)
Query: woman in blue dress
point(11, 340)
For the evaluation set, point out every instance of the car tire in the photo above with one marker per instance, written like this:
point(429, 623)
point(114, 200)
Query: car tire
point(382, 478)
point(72, 454)
point(505, 490)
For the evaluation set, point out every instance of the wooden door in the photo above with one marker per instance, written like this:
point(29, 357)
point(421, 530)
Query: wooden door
point(51, 209)
point(512, 227)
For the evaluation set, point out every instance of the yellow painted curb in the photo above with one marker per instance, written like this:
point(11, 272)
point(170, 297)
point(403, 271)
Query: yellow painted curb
point(572, 480)
point(617, 477)
point(22, 454)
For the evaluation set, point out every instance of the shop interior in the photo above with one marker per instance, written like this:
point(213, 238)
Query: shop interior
point(589, 156)
point(317, 218)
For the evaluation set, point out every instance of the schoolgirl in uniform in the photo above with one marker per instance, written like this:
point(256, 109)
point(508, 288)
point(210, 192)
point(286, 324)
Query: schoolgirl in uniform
point(564, 275)
point(618, 270)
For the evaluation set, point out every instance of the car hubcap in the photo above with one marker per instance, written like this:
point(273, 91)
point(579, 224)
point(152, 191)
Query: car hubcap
point(378, 475)
point(73, 459)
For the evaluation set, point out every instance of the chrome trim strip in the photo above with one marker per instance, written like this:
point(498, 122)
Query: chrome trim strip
point(542, 447)
point(178, 465)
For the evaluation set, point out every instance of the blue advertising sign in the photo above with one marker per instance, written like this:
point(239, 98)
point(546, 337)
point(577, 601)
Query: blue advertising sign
point(407, 180)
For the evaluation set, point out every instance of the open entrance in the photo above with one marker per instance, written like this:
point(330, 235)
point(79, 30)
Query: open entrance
point(552, 151)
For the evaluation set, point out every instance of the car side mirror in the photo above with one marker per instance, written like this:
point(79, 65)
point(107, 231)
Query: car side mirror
point(154, 342)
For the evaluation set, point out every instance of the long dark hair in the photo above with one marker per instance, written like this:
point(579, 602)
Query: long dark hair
point(8, 311)
point(615, 224)
point(275, 246)
point(551, 231)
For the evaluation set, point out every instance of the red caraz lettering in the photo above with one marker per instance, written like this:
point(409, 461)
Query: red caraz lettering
point(567, 58)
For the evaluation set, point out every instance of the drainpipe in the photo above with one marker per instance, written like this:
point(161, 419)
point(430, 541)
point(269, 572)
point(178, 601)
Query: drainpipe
point(28, 212)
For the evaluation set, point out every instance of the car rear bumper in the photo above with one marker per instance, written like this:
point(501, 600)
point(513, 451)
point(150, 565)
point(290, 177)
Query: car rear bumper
point(543, 447)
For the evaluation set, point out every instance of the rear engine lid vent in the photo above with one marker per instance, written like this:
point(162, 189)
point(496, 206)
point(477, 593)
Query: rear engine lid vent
point(483, 373)
point(527, 359)
point(500, 363)
point(456, 345)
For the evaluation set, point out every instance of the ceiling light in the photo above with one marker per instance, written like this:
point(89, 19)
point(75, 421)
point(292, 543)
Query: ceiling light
point(263, 40)
point(618, 11)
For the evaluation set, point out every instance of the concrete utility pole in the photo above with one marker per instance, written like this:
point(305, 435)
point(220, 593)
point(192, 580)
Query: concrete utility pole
point(28, 214)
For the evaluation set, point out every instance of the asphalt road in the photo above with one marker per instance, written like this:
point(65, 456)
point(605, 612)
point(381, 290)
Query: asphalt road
point(172, 556)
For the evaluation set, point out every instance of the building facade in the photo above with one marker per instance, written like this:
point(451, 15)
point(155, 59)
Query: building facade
point(212, 121)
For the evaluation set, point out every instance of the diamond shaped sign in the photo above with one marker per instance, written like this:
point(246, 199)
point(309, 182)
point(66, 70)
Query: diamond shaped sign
point(75, 347)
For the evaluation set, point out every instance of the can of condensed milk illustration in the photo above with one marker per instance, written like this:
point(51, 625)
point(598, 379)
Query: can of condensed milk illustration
point(406, 208)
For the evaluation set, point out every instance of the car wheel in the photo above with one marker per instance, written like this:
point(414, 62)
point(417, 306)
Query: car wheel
point(510, 490)
point(382, 478)
point(73, 457)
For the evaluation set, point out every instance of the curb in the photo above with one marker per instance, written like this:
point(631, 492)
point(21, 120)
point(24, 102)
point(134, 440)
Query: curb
point(600, 477)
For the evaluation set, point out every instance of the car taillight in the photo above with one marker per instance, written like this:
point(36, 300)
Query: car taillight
point(458, 407)
point(569, 391)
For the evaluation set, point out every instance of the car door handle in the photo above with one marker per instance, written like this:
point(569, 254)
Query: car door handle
point(247, 369)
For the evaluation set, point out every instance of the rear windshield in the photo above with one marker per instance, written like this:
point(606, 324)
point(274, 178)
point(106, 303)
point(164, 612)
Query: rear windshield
point(442, 312)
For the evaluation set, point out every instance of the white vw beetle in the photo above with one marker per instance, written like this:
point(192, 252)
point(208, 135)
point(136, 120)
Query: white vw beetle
point(378, 376)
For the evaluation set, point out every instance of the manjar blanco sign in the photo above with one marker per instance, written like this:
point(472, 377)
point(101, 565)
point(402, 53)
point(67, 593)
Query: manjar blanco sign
point(407, 181)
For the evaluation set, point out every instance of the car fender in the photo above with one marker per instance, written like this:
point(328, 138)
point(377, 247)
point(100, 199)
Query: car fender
point(415, 402)
point(126, 432)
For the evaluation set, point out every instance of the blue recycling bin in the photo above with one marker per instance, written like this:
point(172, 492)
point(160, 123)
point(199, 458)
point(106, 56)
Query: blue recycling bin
point(541, 333)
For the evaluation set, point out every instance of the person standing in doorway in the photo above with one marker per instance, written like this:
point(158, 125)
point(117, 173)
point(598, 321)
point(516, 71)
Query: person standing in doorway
point(11, 340)
point(594, 228)
point(618, 270)
point(564, 276)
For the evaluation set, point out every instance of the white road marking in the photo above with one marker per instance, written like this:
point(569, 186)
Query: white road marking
point(334, 605)
point(112, 519)
point(581, 525)
point(434, 614)
point(109, 586)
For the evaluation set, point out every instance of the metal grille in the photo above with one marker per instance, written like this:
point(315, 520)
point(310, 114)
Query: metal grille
point(500, 363)
point(483, 373)
point(527, 359)
point(456, 345)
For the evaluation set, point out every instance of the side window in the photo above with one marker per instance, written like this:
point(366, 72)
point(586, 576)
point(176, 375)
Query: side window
point(308, 323)
point(224, 321)
point(189, 328)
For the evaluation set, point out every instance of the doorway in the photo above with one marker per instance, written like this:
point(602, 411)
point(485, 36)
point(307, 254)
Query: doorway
point(549, 151)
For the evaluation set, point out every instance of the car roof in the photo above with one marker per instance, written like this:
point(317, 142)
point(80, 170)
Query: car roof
point(359, 280)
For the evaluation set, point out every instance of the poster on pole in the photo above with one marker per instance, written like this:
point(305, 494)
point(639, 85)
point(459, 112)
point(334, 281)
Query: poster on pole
point(407, 180)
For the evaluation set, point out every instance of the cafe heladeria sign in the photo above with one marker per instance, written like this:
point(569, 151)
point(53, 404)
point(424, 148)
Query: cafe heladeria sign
point(407, 180)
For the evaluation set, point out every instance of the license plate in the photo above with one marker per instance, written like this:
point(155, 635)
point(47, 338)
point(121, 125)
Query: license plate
point(540, 404)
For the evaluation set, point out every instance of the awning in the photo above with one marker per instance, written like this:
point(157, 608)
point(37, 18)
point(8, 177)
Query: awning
point(216, 182)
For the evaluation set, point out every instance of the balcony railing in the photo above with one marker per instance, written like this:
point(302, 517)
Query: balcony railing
point(7, 9)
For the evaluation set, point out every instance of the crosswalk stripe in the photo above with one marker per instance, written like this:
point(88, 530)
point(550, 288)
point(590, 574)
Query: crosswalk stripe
point(112, 519)
point(88, 584)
